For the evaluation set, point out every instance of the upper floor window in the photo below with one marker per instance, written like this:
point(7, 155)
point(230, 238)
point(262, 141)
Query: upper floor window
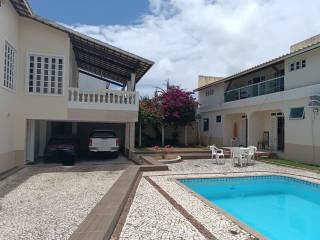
point(209, 92)
point(292, 67)
point(206, 124)
point(218, 119)
point(298, 65)
point(45, 74)
point(9, 66)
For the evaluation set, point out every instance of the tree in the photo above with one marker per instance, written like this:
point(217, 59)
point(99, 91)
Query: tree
point(171, 106)
point(178, 107)
point(149, 113)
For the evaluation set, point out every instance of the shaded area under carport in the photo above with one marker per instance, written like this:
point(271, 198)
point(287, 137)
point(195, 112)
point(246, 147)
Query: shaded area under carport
point(80, 131)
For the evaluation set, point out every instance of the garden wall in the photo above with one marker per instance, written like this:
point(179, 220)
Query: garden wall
point(150, 137)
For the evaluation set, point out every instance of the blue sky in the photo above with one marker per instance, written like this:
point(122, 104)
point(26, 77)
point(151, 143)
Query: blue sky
point(96, 12)
point(188, 38)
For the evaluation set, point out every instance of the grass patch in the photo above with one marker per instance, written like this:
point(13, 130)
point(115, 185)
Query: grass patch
point(294, 164)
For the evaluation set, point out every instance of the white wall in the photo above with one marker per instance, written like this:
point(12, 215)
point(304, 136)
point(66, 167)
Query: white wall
point(9, 31)
point(215, 100)
point(40, 39)
point(306, 76)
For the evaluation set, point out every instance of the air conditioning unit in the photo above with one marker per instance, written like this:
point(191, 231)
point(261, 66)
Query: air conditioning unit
point(314, 102)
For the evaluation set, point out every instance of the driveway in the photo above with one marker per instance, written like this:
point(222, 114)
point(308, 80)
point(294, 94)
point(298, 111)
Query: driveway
point(50, 202)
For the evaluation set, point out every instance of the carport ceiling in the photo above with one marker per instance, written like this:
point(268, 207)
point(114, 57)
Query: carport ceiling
point(106, 61)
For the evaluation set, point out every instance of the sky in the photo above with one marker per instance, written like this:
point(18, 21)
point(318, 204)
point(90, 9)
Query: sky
point(187, 38)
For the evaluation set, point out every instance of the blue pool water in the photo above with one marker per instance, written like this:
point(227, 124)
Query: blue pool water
point(280, 208)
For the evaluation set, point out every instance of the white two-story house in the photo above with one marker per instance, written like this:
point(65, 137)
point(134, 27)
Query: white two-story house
point(274, 106)
point(41, 67)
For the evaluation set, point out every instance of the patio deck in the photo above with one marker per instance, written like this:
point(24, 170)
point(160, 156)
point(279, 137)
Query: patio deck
point(163, 209)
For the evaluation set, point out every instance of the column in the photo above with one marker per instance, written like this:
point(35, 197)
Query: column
point(30, 144)
point(132, 83)
point(250, 129)
point(129, 138)
point(42, 137)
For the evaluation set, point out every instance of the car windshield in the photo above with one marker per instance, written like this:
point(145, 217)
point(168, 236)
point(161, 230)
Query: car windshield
point(103, 134)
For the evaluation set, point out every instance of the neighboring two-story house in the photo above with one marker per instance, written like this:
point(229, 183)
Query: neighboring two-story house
point(274, 106)
point(41, 66)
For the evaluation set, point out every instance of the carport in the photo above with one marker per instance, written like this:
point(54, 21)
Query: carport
point(39, 133)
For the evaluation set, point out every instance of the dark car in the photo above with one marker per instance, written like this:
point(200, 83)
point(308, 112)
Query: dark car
point(62, 149)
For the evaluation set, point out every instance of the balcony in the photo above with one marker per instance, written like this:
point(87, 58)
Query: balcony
point(103, 99)
point(257, 89)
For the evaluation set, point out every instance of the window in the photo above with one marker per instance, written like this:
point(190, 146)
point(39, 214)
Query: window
point(297, 113)
point(45, 75)
point(206, 124)
point(209, 92)
point(9, 66)
point(218, 119)
point(292, 67)
point(298, 65)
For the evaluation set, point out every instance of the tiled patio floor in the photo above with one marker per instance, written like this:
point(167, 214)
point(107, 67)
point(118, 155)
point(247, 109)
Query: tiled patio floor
point(49, 202)
point(162, 208)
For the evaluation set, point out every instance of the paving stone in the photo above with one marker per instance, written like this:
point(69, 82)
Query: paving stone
point(151, 216)
point(50, 202)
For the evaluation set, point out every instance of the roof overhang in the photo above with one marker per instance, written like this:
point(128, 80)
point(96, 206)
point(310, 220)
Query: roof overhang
point(107, 62)
point(22, 7)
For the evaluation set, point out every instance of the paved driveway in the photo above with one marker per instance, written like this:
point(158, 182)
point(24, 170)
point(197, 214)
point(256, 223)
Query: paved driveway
point(50, 201)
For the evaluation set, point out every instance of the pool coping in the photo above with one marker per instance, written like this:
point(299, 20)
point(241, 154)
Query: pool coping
point(176, 177)
point(218, 209)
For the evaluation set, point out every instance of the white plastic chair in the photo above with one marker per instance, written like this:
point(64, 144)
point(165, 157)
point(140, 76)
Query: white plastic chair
point(251, 155)
point(217, 153)
point(238, 156)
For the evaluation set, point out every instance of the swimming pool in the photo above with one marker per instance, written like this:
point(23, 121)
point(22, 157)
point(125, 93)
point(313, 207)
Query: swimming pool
point(278, 207)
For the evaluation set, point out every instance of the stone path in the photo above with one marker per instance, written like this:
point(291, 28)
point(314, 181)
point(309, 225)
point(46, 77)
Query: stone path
point(50, 202)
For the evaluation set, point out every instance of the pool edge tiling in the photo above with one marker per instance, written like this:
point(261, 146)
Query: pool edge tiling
point(220, 210)
point(220, 225)
point(220, 198)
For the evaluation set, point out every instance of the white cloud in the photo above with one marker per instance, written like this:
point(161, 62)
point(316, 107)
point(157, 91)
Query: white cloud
point(187, 38)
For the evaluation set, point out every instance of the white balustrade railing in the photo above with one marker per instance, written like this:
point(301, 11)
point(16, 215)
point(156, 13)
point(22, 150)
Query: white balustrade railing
point(102, 97)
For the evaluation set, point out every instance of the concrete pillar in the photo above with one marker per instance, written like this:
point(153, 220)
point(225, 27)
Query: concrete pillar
point(129, 138)
point(250, 129)
point(132, 83)
point(42, 137)
point(30, 143)
point(132, 136)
